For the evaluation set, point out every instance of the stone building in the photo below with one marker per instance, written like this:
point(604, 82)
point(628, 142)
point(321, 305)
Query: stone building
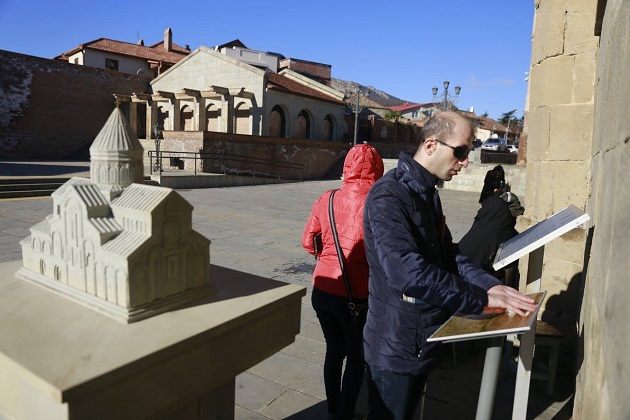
point(211, 91)
point(578, 134)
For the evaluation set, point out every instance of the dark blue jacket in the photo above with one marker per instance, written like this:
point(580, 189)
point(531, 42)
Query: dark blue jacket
point(410, 251)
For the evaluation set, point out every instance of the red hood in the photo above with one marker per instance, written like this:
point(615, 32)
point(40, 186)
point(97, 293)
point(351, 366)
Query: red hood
point(362, 167)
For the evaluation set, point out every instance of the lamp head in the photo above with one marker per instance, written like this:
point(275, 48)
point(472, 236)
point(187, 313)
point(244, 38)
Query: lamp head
point(434, 89)
point(446, 83)
point(457, 89)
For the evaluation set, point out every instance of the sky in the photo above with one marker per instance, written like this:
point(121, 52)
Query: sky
point(403, 48)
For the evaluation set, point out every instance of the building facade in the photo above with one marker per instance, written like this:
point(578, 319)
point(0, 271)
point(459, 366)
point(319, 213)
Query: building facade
point(211, 91)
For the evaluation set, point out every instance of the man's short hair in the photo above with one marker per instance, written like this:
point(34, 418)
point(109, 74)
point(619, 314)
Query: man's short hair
point(441, 126)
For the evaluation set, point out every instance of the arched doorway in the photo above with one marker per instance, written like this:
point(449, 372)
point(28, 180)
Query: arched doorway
point(242, 125)
point(186, 118)
point(303, 125)
point(212, 115)
point(277, 122)
point(328, 128)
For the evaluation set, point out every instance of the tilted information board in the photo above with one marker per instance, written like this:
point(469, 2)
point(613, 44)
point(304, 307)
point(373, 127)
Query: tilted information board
point(462, 327)
point(538, 235)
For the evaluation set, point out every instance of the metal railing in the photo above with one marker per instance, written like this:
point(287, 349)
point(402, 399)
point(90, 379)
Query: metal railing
point(230, 164)
point(498, 157)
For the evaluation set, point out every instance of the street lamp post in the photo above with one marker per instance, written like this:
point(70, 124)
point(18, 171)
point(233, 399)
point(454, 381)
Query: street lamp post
point(446, 95)
point(356, 109)
point(157, 130)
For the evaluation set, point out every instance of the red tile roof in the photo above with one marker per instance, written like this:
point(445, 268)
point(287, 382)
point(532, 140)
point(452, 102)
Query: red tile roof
point(408, 107)
point(298, 88)
point(491, 125)
point(155, 52)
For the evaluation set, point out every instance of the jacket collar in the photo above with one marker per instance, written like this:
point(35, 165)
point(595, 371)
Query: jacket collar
point(417, 173)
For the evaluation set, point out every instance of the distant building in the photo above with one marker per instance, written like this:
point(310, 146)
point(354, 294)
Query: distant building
point(415, 112)
point(317, 71)
point(126, 57)
point(211, 91)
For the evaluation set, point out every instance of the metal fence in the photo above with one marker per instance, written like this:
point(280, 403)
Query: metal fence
point(506, 158)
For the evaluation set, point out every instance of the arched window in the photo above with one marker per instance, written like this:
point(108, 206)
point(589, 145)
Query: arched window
point(328, 128)
point(303, 126)
point(242, 125)
point(277, 122)
point(186, 119)
point(212, 115)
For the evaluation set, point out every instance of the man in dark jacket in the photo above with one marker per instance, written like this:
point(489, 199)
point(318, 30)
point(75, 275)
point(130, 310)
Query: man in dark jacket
point(418, 279)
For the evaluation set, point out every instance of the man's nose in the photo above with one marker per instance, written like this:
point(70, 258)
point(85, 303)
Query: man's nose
point(464, 162)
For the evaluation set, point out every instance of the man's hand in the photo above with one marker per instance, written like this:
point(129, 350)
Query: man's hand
point(504, 298)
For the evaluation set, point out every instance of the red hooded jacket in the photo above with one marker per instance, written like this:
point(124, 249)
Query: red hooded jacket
point(362, 167)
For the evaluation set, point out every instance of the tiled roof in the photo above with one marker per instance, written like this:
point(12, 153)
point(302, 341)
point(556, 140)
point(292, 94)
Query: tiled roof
point(408, 107)
point(125, 243)
point(155, 52)
point(140, 197)
point(105, 224)
point(233, 43)
point(490, 124)
point(68, 184)
point(298, 88)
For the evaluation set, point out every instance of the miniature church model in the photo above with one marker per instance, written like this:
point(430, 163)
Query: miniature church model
point(114, 244)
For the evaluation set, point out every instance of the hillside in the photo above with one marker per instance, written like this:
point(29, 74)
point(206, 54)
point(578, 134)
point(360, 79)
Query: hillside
point(376, 98)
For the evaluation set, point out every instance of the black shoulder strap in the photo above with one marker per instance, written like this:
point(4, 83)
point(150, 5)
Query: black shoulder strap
point(331, 216)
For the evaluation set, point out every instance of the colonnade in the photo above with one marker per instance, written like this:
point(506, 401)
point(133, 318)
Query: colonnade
point(199, 101)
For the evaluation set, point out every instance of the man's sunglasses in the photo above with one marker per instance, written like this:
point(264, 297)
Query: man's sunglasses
point(460, 152)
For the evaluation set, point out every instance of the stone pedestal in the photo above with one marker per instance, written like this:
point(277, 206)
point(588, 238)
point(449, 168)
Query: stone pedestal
point(60, 360)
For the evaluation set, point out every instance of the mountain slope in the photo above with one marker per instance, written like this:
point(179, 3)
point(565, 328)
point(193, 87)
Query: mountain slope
point(376, 98)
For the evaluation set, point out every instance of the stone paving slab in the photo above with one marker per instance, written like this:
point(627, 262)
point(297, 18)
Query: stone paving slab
point(258, 229)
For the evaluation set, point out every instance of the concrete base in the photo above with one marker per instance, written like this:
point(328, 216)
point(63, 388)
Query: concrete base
point(60, 360)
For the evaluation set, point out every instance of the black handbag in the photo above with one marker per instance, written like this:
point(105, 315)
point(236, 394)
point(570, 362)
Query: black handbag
point(355, 309)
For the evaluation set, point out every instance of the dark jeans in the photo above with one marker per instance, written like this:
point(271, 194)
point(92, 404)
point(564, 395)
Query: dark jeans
point(344, 339)
point(393, 395)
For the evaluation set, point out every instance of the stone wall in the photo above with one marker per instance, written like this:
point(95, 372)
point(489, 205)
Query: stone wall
point(603, 380)
point(578, 135)
point(317, 157)
point(51, 109)
point(560, 128)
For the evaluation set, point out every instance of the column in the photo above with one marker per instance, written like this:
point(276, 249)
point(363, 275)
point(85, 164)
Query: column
point(227, 114)
point(152, 118)
point(176, 114)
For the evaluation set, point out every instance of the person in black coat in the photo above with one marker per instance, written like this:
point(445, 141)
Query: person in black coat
point(494, 182)
point(493, 225)
point(417, 277)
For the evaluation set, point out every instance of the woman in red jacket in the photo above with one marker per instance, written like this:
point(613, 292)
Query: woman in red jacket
point(344, 335)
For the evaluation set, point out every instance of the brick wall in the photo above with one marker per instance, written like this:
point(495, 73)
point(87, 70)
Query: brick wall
point(52, 109)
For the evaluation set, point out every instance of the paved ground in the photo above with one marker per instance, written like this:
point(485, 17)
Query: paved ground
point(258, 230)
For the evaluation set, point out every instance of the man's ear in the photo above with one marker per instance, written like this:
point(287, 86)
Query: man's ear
point(429, 146)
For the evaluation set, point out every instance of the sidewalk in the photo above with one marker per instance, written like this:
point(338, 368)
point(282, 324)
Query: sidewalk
point(258, 230)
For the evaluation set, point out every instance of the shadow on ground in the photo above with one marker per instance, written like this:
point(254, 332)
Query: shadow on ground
point(8, 168)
